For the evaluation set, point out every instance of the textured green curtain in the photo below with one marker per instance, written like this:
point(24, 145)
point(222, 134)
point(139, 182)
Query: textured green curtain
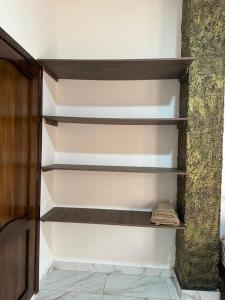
point(200, 145)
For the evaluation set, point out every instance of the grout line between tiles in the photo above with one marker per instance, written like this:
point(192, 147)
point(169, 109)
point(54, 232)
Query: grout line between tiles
point(170, 295)
point(107, 274)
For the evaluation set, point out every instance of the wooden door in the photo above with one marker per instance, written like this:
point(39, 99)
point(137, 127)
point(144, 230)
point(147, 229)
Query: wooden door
point(20, 84)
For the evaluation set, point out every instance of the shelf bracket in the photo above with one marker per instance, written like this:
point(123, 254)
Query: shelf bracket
point(182, 125)
point(184, 76)
point(48, 70)
point(51, 122)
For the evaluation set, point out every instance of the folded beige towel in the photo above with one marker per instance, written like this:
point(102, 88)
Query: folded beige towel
point(165, 214)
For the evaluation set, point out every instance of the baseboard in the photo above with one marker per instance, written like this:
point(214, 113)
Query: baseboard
point(112, 268)
point(195, 294)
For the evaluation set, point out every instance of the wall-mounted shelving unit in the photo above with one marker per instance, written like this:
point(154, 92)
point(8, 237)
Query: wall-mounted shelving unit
point(137, 69)
point(103, 216)
point(104, 168)
point(117, 69)
point(54, 120)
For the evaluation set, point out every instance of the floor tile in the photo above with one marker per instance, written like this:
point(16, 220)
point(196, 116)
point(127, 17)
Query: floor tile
point(136, 286)
point(45, 295)
point(76, 281)
point(113, 297)
point(172, 289)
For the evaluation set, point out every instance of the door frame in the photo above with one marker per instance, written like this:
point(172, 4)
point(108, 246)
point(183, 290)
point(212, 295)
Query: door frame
point(16, 54)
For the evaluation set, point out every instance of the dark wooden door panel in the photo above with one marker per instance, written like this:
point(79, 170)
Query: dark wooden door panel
point(14, 141)
point(20, 123)
point(14, 267)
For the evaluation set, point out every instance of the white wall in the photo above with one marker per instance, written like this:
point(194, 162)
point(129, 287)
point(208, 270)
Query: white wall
point(47, 179)
point(119, 28)
point(114, 29)
point(32, 24)
point(115, 245)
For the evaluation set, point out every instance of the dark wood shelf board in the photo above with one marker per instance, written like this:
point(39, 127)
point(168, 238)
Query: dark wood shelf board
point(54, 120)
point(117, 69)
point(104, 168)
point(104, 217)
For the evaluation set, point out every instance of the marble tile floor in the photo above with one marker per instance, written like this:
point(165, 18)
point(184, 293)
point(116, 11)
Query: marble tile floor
point(80, 285)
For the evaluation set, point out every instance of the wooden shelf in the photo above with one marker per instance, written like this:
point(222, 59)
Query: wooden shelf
point(103, 216)
point(104, 168)
point(54, 120)
point(117, 69)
